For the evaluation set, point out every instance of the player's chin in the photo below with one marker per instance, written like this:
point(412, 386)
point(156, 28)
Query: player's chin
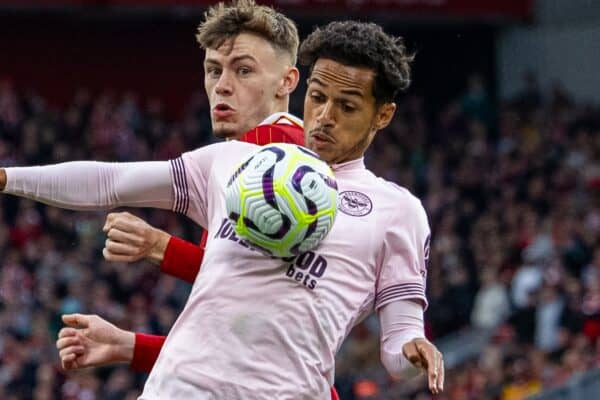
point(324, 152)
point(226, 130)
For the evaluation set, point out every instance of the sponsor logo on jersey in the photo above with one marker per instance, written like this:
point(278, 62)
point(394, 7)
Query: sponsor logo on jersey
point(306, 268)
point(356, 204)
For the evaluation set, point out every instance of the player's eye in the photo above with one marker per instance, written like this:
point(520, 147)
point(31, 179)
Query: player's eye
point(348, 108)
point(244, 70)
point(317, 97)
point(213, 72)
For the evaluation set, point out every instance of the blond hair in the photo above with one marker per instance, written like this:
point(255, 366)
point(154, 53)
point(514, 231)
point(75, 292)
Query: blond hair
point(225, 21)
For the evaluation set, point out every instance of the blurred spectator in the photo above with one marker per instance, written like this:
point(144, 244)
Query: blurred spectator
point(491, 302)
point(547, 318)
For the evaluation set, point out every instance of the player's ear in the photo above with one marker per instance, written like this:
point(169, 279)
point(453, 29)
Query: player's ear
point(289, 82)
point(385, 113)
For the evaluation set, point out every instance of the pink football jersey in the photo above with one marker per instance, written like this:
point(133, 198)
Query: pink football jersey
point(256, 327)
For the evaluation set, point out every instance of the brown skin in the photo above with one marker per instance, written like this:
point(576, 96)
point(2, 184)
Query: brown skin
point(252, 77)
point(423, 354)
point(341, 116)
point(2, 178)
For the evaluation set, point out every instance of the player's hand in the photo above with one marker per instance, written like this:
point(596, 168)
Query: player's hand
point(90, 341)
point(130, 238)
point(423, 354)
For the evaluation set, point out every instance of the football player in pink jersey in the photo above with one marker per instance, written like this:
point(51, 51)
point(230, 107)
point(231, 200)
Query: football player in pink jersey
point(131, 238)
point(262, 328)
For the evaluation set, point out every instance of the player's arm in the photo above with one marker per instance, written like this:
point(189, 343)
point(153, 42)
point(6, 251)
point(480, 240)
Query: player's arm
point(404, 348)
point(146, 351)
point(130, 238)
point(400, 296)
point(90, 341)
point(179, 184)
point(90, 185)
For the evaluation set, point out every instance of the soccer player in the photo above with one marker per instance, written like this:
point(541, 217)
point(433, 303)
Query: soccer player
point(131, 238)
point(249, 48)
point(257, 327)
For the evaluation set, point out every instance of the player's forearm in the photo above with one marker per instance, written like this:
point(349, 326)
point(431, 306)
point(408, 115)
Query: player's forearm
point(146, 351)
point(123, 350)
point(401, 321)
point(89, 185)
point(182, 259)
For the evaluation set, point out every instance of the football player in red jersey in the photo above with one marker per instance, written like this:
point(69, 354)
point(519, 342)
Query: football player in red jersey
point(249, 74)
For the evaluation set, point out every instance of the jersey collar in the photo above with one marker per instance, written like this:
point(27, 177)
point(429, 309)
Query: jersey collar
point(352, 165)
point(282, 118)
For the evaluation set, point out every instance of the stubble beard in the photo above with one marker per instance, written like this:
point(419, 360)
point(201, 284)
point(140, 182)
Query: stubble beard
point(224, 132)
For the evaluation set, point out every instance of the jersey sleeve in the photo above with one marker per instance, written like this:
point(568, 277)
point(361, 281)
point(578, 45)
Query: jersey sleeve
point(91, 185)
point(145, 351)
point(183, 259)
point(190, 174)
point(404, 257)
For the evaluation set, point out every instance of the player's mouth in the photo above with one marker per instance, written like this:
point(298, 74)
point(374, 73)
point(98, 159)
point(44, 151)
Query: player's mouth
point(223, 111)
point(320, 137)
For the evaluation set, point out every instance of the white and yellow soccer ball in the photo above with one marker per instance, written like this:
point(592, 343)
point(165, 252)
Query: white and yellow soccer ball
point(282, 199)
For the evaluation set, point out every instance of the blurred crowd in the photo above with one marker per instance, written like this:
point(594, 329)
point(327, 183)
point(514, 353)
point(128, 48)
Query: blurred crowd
point(513, 195)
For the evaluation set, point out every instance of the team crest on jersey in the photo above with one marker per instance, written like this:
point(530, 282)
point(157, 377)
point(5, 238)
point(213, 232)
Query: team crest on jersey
point(356, 204)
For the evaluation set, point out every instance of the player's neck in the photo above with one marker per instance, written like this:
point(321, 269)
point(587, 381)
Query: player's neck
point(281, 106)
point(348, 164)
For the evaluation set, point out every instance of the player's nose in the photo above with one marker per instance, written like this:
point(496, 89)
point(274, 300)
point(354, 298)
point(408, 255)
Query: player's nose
point(325, 116)
point(224, 85)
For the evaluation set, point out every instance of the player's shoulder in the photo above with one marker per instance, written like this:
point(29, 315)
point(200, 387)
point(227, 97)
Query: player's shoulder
point(277, 128)
point(220, 150)
point(404, 202)
point(393, 191)
point(268, 134)
point(230, 145)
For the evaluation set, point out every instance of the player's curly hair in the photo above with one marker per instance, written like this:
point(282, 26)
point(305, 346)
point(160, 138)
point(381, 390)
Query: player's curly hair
point(362, 44)
point(224, 21)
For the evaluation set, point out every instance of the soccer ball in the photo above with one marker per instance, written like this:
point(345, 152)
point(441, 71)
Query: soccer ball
point(282, 199)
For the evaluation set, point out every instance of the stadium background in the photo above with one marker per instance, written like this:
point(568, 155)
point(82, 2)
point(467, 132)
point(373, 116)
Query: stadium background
point(499, 136)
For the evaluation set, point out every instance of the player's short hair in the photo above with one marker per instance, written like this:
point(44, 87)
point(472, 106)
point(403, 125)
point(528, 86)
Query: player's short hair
point(362, 44)
point(224, 21)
